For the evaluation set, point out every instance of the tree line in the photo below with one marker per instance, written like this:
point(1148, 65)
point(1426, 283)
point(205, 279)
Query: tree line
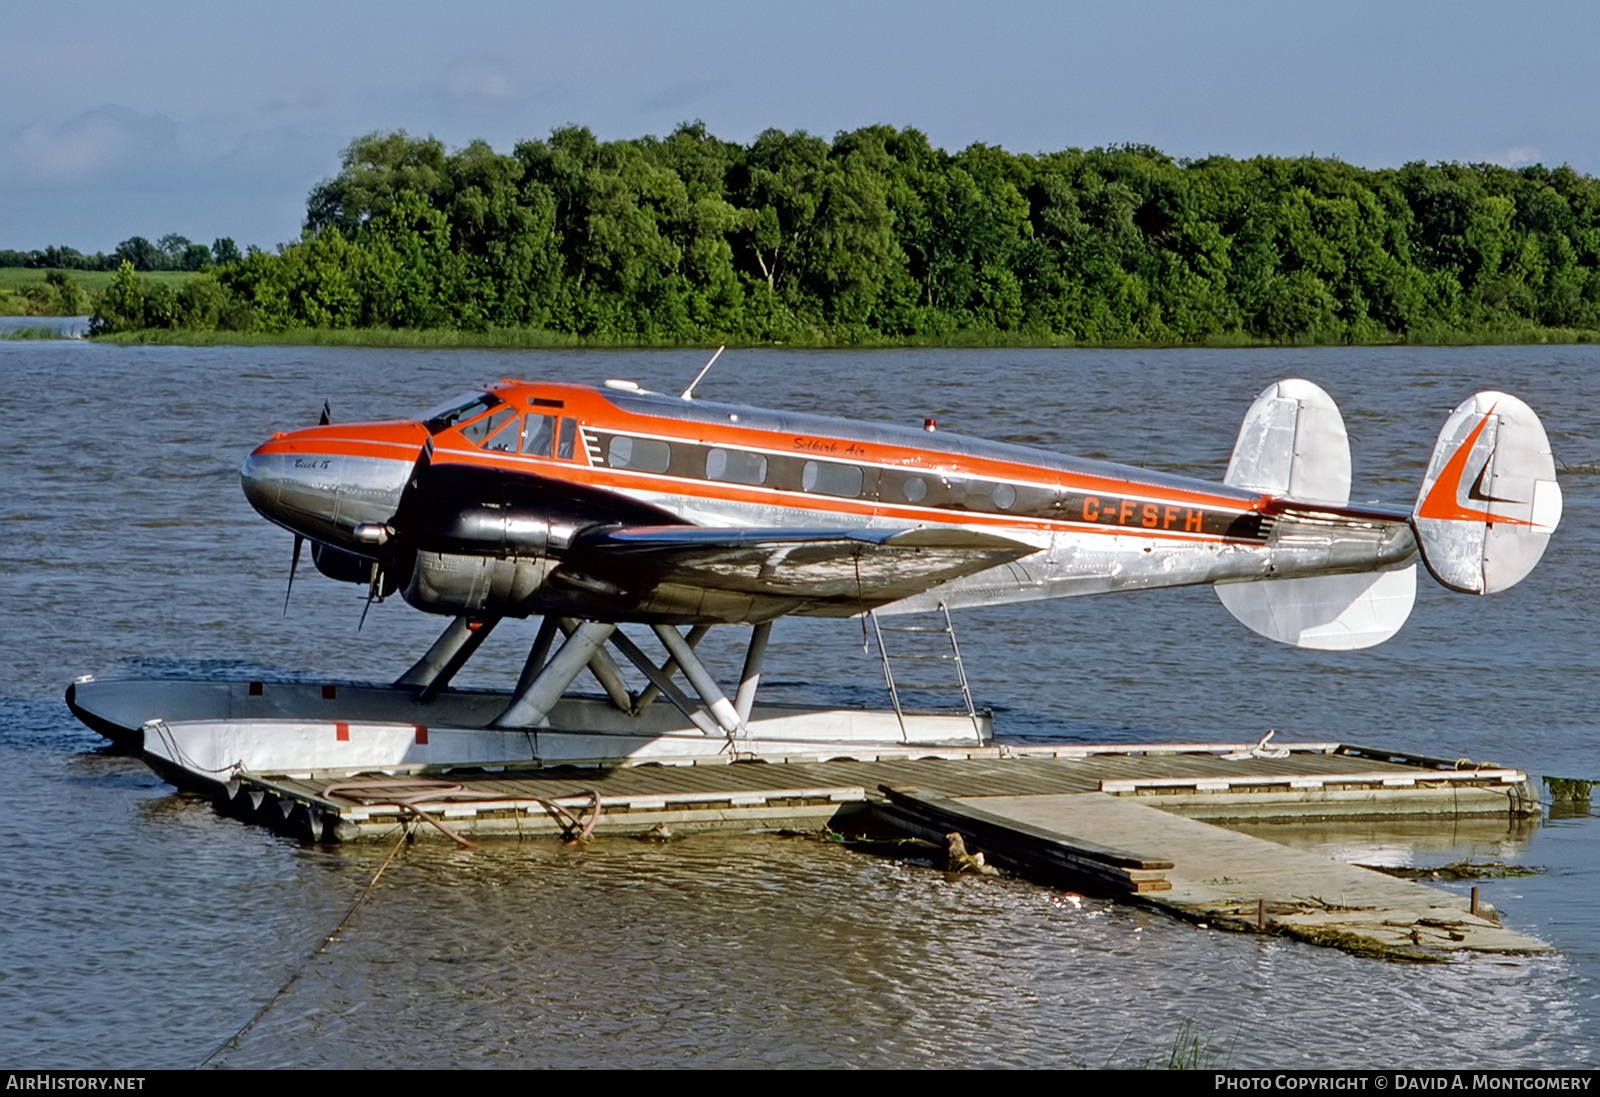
point(171, 252)
point(877, 235)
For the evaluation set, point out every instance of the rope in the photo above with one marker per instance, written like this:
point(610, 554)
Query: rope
point(408, 792)
point(233, 1041)
point(368, 791)
point(573, 829)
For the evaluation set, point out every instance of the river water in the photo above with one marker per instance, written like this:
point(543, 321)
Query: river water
point(142, 930)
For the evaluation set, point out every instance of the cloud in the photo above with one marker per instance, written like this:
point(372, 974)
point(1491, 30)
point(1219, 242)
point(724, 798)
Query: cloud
point(109, 143)
point(1513, 157)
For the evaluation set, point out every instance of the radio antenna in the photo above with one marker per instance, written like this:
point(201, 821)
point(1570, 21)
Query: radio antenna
point(687, 393)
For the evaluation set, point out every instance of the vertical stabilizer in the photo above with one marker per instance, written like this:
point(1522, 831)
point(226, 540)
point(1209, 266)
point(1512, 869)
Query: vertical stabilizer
point(1293, 443)
point(1490, 500)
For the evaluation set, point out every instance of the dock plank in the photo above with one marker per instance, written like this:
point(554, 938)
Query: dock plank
point(1221, 875)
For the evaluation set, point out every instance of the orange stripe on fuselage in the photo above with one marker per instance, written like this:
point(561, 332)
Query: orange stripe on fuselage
point(402, 440)
point(595, 412)
point(722, 491)
point(397, 440)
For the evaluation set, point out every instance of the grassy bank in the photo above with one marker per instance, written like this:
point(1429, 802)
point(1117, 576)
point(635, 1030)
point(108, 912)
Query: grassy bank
point(12, 278)
point(25, 334)
point(534, 338)
point(26, 291)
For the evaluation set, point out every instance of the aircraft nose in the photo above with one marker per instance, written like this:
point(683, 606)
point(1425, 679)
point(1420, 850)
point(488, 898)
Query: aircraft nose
point(324, 481)
point(298, 490)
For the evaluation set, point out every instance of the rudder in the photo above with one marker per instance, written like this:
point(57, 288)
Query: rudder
point(1489, 501)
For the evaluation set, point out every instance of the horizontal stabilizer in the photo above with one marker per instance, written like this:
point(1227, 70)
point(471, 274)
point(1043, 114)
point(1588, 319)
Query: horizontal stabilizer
point(1490, 500)
point(1293, 444)
point(1325, 612)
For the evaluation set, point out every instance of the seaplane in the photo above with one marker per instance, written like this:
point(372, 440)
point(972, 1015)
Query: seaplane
point(593, 508)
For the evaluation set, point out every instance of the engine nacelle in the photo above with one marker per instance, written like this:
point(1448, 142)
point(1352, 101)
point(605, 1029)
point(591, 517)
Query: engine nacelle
point(489, 586)
point(341, 566)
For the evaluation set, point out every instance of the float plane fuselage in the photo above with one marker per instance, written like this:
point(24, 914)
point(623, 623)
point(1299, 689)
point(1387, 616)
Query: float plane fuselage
point(620, 505)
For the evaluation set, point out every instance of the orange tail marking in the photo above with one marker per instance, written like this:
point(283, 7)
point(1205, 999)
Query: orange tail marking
point(1443, 501)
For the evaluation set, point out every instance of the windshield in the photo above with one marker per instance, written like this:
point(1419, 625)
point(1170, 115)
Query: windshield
point(454, 411)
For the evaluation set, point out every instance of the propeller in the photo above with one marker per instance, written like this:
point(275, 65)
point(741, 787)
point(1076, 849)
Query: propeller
point(389, 533)
point(299, 541)
point(294, 562)
point(374, 578)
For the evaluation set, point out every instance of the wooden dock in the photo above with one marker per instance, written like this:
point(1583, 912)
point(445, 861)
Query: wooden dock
point(1120, 819)
point(1213, 876)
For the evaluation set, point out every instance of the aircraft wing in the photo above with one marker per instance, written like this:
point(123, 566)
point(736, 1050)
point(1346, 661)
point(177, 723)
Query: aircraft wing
point(827, 572)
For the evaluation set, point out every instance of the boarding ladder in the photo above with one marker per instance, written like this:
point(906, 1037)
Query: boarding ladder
point(922, 649)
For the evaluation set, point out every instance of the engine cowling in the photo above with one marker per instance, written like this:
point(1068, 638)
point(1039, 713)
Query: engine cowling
point(483, 541)
point(490, 586)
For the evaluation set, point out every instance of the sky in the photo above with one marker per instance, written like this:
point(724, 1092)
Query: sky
point(216, 119)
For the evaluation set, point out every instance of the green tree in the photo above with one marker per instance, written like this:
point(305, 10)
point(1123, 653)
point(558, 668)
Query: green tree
point(121, 306)
point(141, 253)
point(375, 170)
point(224, 251)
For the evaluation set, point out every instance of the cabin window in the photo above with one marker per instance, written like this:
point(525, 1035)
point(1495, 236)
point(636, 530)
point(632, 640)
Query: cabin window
point(475, 432)
point(569, 434)
point(830, 479)
point(736, 465)
point(1004, 495)
point(539, 435)
point(506, 438)
point(643, 454)
point(915, 489)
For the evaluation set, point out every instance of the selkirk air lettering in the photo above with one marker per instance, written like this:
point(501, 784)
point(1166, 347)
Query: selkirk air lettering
point(818, 445)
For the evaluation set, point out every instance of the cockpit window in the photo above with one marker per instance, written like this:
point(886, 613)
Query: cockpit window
point(476, 431)
point(506, 438)
point(539, 435)
point(451, 412)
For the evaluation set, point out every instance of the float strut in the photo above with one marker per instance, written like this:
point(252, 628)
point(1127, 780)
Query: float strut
point(531, 706)
point(750, 677)
point(706, 686)
point(448, 654)
point(427, 668)
point(696, 634)
point(537, 654)
point(660, 683)
point(605, 671)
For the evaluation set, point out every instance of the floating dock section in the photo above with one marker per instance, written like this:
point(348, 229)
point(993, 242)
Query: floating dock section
point(1123, 819)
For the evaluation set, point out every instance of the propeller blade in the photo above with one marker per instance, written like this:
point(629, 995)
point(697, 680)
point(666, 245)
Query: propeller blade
point(327, 416)
point(294, 562)
point(372, 591)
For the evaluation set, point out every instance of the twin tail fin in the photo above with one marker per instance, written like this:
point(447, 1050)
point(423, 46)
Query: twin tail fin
point(1489, 501)
point(1293, 445)
point(1488, 505)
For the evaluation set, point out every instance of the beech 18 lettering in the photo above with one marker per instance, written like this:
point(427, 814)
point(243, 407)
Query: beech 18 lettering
point(594, 507)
